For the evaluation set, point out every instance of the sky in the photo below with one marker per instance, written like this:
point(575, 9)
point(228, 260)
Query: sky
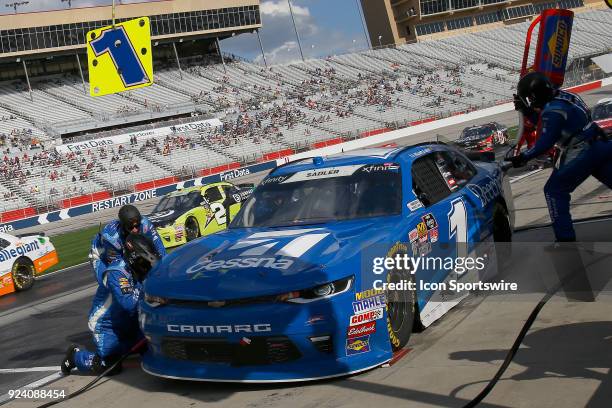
point(325, 27)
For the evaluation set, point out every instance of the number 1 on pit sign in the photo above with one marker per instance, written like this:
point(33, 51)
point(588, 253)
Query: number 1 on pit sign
point(120, 57)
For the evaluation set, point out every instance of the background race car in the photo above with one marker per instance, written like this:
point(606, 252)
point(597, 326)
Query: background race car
point(187, 214)
point(23, 258)
point(288, 292)
point(602, 114)
point(483, 138)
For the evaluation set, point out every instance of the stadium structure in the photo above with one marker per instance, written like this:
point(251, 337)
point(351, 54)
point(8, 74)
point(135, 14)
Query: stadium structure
point(402, 21)
point(208, 111)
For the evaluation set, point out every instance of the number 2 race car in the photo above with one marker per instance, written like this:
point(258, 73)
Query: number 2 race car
point(187, 214)
point(294, 288)
point(23, 258)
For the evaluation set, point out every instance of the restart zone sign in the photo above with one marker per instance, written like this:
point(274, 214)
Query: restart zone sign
point(120, 57)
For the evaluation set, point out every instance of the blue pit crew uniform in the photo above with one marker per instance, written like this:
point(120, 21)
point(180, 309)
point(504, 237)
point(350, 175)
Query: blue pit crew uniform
point(566, 121)
point(113, 317)
point(108, 244)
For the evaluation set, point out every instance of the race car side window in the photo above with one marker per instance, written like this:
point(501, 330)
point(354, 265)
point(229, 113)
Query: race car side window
point(213, 195)
point(4, 243)
point(460, 167)
point(427, 181)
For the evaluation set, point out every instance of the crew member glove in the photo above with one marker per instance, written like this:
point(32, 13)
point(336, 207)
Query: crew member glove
point(518, 160)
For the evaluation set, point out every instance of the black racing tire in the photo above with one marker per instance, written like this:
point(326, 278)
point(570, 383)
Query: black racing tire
point(23, 274)
point(401, 305)
point(192, 229)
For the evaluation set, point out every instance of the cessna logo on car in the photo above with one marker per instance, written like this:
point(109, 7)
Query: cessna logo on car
point(259, 250)
point(235, 328)
point(487, 192)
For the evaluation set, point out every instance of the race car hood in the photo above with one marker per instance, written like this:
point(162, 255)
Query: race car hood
point(162, 218)
point(244, 263)
point(471, 140)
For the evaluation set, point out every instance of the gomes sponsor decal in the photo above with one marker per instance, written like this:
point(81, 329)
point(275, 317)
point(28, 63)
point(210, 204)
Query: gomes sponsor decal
point(357, 345)
point(366, 317)
point(21, 250)
point(361, 330)
point(366, 305)
point(208, 329)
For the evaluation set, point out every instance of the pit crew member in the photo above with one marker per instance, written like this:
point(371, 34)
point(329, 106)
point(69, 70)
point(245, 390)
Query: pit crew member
point(113, 317)
point(583, 148)
point(108, 244)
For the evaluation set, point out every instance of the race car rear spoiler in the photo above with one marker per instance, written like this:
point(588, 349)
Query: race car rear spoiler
point(31, 234)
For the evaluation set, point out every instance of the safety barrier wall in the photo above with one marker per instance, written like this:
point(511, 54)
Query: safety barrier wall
point(23, 218)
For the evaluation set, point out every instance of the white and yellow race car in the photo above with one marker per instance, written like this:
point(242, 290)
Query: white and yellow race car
point(23, 258)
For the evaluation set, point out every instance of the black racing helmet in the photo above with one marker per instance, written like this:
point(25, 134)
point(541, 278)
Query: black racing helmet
point(129, 218)
point(140, 255)
point(535, 90)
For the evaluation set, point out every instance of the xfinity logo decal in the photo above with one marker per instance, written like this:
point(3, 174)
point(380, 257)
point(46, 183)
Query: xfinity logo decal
point(237, 328)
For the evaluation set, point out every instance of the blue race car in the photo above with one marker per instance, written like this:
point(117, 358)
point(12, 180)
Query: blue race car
point(293, 289)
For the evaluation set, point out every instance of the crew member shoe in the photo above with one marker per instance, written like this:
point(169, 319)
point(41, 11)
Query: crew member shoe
point(68, 363)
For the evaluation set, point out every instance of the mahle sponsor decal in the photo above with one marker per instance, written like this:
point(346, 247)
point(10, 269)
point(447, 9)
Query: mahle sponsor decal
point(208, 329)
point(368, 304)
point(368, 293)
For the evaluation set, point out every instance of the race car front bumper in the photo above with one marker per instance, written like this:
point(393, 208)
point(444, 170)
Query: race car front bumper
point(259, 343)
point(172, 236)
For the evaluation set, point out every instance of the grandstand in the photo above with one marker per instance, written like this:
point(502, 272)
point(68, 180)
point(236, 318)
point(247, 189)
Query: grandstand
point(265, 113)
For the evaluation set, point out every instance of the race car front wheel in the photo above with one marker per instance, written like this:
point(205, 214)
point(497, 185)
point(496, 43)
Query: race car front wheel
point(23, 274)
point(401, 305)
point(192, 230)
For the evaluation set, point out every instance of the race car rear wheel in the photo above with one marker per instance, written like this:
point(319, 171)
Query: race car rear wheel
point(192, 230)
point(23, 274)
point(401, 304)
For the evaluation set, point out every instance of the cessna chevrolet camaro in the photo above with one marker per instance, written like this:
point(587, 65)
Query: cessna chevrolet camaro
point(288, 293)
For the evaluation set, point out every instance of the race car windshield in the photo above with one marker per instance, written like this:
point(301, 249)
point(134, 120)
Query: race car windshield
point(312, 197)
point(603, 111)
point(179, 203)
point(480, 132)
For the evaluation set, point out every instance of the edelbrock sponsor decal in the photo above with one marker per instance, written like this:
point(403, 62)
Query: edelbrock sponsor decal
point(207, 329)
point(361, 330)
point(21, 250)
point(366, 317)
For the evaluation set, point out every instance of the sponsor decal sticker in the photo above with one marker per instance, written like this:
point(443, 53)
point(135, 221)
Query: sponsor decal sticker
point(357, 345)
point(368, 304)
point(433, 235)
point(361, 330)
point(20, 250)
point(430, 221)
point(368, 293)
point(380, 167)
point(421, 230)
point(415, 205)
point(413, 235)
point(366, 317)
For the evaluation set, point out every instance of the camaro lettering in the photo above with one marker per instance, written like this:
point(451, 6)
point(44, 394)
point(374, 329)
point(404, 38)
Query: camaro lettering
point(238, 328)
